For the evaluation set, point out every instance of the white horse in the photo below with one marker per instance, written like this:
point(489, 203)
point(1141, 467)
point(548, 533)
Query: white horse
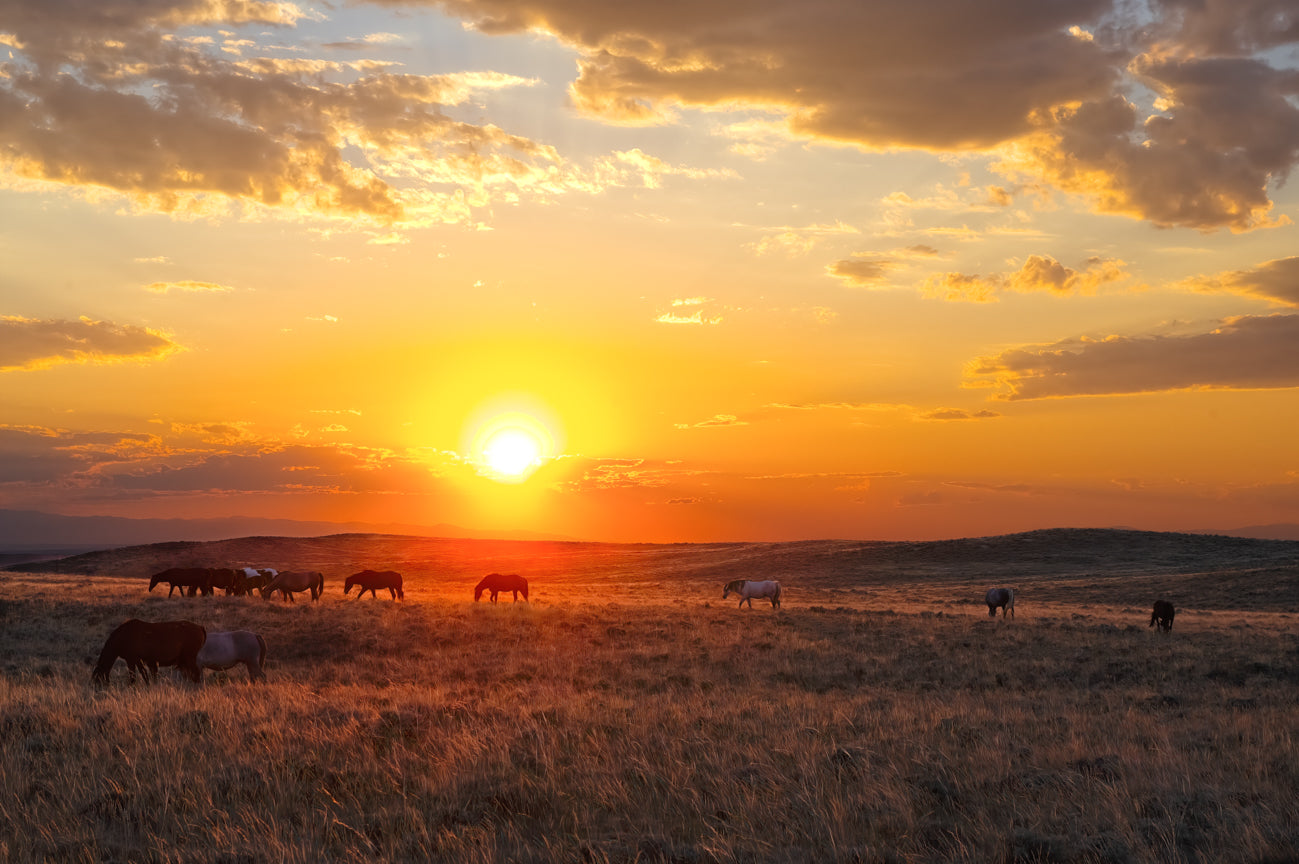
point(224, 649)
point(1003, 597)
point(748, 590)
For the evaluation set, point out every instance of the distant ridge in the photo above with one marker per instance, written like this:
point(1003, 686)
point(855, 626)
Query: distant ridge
point(33, 531)
point(1035, 554)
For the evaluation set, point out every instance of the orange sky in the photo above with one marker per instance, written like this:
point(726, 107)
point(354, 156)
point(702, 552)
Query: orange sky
point(745, 271)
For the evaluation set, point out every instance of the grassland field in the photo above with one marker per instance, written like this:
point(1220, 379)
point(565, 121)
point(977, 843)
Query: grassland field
point(642, 718)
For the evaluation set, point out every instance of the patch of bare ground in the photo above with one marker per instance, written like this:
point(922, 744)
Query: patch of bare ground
point(623, 718)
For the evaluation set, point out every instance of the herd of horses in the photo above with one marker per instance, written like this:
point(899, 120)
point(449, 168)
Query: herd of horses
point(189, 647)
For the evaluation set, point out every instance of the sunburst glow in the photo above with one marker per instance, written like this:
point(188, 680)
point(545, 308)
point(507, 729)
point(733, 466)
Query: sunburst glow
point(508, 444)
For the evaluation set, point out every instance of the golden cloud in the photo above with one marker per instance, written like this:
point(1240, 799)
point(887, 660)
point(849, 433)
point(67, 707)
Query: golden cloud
point(1250, 352)
point(29, 343)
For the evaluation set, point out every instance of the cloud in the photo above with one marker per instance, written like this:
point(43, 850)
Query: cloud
point(1044, 83)
point(863, 269)
point(715, 421)
point(795, 241)
point(1227, 128)
point(701, 315)
point(1249, 352)
point(29, 343)
point(944, 76)
point(958, 414)
point(107, 96)
point(873, 268)
point(1039, 274)
point(1274, 281)
point(187, 286)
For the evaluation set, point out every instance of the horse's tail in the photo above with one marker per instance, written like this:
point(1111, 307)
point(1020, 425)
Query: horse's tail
point(523, 587)
point(776, 597)
point(401, 595)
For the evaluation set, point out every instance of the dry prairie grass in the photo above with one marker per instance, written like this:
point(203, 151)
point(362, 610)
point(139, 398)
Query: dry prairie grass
point(653, 722)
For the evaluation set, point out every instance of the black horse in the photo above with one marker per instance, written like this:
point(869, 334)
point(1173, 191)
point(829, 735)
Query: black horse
point(147, 645)
point(1163, 615)
point(1003, 598)
point(497, 582)
point(198, 580)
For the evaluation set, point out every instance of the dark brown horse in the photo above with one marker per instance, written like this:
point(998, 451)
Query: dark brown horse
point(1163, 616)
point(369, 580)
point(147, 645)
point(496, 582)
point(196, 579)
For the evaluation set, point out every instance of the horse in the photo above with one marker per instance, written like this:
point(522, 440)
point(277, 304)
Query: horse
point(224, 649)
point(1163, 616)
point(196, 579)
point(147, 645)
point(496, 582)
point(1003, 597)
point(748, 590)
point(226, 579)
point(369, 580)
point(250, 579)
point(289, 581)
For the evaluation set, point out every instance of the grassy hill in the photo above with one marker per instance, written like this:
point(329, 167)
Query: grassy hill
point(1079, 565)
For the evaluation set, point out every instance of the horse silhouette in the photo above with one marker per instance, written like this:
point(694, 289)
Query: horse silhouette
point(497, 582)
point(1003, 598)
point(195, 579)
point(147, 645)
point(748, 590)
point(1163, 616)
point(369, 580)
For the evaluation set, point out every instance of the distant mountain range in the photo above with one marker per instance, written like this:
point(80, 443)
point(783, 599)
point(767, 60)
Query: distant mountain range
point(31, 532)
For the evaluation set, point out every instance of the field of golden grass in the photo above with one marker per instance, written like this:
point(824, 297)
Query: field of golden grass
point(617, 719)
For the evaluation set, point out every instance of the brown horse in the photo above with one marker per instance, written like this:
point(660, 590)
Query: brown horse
point(289, 581)
point(147, 645)
point(496, 582)
point(369, 580)
point(196, 579)
point(1163, 616)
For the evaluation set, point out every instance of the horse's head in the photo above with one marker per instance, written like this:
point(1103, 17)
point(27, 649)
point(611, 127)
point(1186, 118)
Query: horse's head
point(348, 583)
point(153, 583)
point(478, 593)
point(733, 585)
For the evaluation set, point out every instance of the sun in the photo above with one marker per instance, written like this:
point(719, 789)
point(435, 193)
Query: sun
point(510, 438)
point(512, 453)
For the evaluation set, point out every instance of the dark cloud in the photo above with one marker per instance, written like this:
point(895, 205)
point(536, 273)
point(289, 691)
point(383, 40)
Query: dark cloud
point(1275, 281)
point(1243, 353)
point(1047, 78)
point(29, 343)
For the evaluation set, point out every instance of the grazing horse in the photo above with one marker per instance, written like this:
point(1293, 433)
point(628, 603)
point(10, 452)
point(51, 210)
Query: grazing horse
point(196, 579)
point(496, 582)
point(147, 645)
point(226, 579)
point(369, 580)
point(1163, 616)
point(748, 590)
point(289, 581)
point(224, 649)
point(1003, 597)
point(250, 579)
